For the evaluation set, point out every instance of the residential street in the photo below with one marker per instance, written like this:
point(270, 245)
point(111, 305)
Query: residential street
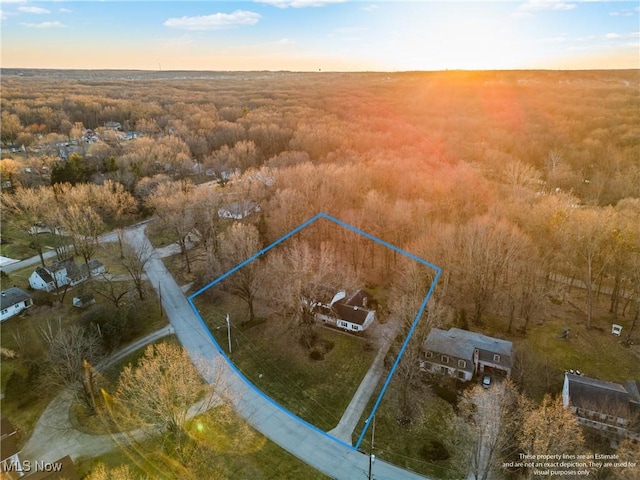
point(54, 436)
point(316, 448)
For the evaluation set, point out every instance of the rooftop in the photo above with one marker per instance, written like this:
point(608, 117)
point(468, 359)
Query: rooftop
point(461, 343)
point(11, 296)
point(602, 396)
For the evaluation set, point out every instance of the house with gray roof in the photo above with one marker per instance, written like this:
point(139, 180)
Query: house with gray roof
point(13, 301)
point(612, 409)
point(62, 273)
point(462, 354)
point(353, 313)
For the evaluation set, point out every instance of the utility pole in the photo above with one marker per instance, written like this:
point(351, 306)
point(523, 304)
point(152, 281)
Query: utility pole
point(372, 457)
point(229, 332)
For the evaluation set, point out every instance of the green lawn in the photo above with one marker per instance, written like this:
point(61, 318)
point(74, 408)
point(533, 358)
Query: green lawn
point(25, 397)
point(595, 352)
point(228, 449)
point(16, 243)
point(318, 391)
point(158, 235)
point(422, 445)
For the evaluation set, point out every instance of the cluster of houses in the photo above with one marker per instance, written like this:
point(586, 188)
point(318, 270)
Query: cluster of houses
point(64, 273)
point(59, 274)
point(611, 409)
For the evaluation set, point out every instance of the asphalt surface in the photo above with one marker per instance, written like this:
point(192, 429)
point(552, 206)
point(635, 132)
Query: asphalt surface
point(323, 452)
point(54, 436)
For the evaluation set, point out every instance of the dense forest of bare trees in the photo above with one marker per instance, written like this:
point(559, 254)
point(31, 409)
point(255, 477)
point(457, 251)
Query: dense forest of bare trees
point(520, 185)
point(505, 179)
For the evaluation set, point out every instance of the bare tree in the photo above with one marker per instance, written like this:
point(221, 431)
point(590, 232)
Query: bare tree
point(111, 288)
point(34, 211)
point(85, 225)
point(299, 276)
point(69, 348)
point(487, 248)
point(121, 472)
point(173, 203)
point(238, 243)
point(159, 395)
point(586, 248)
point(207, 203)
point(134, 261)
point(550, 428)
point(495, 415)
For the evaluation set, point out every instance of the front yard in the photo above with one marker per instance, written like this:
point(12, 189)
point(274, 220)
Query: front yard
point(318, 391)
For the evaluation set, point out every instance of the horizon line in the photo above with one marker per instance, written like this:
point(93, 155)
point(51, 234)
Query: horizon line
point(327, 71)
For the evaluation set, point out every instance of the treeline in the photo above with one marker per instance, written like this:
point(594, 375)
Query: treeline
point(513, 182)
point(517, 184)
point(578, 130)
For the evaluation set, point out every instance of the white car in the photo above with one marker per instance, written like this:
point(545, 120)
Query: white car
point(486, 381)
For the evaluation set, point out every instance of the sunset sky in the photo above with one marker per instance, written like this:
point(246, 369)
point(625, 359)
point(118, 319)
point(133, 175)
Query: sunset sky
point(330, 35)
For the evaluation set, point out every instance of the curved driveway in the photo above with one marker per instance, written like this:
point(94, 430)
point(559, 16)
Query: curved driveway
point(316, 448)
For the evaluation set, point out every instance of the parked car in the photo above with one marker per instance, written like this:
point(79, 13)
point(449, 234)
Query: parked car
point(486, 381)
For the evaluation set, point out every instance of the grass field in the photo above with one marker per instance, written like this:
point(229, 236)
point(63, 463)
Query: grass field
point(422, 446)
point(229, 449)
point(25, 397)
point(594, 351)
point(318, 391)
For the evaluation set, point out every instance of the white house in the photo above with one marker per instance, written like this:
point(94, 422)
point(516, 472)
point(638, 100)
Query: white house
point(13, 301)
point(348, 313)
point(63, 273)
point(239, 210)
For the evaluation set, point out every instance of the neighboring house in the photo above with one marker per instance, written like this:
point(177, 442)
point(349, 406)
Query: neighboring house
point(13, 301)
point(239, 210)
point(113, 126)
point(63, 273)
point(611, 408)
point(42, 228)
point(10, 466)
point(461, 354)
point(351, 313)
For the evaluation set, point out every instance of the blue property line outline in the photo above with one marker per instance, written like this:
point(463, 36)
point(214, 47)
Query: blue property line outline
point(253, 387)
point(305, 224)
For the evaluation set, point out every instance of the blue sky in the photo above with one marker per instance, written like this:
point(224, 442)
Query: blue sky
point(320, 34)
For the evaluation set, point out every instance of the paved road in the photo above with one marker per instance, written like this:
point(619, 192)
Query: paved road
point(54, 436)
point(51, 254)
point(316, 448)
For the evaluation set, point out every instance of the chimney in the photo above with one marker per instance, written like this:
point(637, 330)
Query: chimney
point(365, 300)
